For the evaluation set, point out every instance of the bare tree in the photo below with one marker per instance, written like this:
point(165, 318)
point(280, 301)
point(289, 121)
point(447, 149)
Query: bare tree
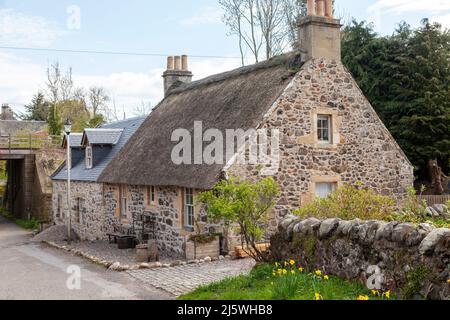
point(263, 24)
point(59, 85)
point(144, 109)
point(97, 100)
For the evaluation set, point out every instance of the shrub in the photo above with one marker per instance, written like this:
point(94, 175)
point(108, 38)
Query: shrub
point(350, 202)
point(245, 204)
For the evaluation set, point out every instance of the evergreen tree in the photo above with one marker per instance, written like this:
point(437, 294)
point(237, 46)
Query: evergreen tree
point(38, 109)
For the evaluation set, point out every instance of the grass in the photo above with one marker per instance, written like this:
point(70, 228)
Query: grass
point(32, 224)
point(265, 283)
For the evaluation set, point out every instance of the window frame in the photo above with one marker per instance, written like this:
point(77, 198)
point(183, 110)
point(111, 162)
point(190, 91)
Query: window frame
point(151, 195)
point(320, 129)
point(334, 184)
point(189, 208)
point(89, 157)
point(123, 203)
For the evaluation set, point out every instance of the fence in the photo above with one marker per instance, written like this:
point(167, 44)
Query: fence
point(29, 142)
point(432, 199)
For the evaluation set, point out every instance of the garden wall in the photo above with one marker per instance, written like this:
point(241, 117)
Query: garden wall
point(414, 260)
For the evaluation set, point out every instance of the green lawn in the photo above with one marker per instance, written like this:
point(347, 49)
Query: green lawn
point(268, 282)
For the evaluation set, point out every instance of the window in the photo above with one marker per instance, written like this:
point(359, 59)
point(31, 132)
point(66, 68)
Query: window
point(324, 129)
point(89, 163)
point(59, 212)
point(79, 209)
point(123, 202)
point(151, 195)
point(324, 189)
point(188, 208)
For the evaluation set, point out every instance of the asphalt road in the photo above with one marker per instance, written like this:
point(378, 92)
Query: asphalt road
point(30, 271)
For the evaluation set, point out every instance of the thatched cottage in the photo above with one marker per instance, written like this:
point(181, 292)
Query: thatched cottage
point(329, 135)
point(92, 151)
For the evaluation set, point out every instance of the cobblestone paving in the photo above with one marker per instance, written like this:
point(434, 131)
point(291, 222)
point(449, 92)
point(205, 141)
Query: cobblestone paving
point(183, 279)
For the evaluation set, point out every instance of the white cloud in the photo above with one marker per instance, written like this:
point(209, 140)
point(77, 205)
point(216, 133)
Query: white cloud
point(18, 29)
point(20, 79)
point(402, 6)
point(207, 15)
point(443, 20)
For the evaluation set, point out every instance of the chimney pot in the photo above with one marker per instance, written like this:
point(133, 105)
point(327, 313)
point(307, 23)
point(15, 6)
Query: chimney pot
point(170, 64)
point(320, 8)
point(177, 63)
point(184, 62)
point(329, 8)
point(311, 8)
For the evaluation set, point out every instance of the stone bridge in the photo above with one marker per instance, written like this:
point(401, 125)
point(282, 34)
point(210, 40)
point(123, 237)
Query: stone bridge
point(30, 160)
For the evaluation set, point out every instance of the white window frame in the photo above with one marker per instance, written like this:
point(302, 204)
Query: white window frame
point(123, 203)
point(189, 209)
point(89, 158)
point(329, 119)
point(334, 186)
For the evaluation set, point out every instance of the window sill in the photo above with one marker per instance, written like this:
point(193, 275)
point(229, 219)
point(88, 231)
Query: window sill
point(188, 229)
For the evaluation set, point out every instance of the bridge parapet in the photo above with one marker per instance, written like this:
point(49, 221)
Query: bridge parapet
point(28, 142)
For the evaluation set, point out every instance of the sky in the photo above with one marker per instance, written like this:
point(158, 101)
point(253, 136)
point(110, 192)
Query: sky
point(162, 28)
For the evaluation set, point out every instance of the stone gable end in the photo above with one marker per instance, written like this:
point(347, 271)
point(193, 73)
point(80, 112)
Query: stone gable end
point(362, 149)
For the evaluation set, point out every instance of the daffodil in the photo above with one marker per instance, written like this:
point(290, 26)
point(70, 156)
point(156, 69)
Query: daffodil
point(326, 278)
point(285, 264)
point(284, 271)
point(387, 294)
point(274, 273)
point(301, 269)
point(292, 271)
point(363, 298)
point(375, 292)
point(448, 281)
point(292, 262)
point(276, 264)
point(318, 296)
point(280, 271)
point(318, 273)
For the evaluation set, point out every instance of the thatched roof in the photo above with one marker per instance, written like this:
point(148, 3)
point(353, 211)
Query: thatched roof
point(233, 100)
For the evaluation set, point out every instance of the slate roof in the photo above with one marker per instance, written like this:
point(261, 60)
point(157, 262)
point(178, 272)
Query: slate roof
point(101, 136)
point(103, 153)
point(75, 140)
point(238, 99)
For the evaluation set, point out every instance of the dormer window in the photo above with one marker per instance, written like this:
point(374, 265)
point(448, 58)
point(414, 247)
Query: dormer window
point(89, 162)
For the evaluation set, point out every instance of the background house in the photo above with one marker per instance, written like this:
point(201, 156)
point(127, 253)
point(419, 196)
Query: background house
point(91, 153)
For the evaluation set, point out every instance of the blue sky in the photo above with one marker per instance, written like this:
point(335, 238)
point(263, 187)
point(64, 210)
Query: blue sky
point(162, 27)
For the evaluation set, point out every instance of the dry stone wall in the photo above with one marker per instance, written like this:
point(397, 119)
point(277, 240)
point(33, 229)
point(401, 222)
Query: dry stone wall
point(414, 260)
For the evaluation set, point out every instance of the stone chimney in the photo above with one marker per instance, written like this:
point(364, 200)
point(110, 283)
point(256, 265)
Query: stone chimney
point(7, 113)
point(177, 73)
point(319, 32)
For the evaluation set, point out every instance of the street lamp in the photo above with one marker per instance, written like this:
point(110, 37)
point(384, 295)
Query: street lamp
point(68, 130)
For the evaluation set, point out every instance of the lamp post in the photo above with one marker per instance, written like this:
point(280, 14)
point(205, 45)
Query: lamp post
point(68, 130)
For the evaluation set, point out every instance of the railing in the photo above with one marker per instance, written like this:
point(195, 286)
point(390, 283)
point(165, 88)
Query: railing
point(434, 199)
point(29, 142)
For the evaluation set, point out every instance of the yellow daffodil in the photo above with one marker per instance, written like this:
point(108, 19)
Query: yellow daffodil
point(292, 262)
point(326, 278)
point(318, 273)
point(280, 271)
point(362, 298)
point(448, 281)
point(387, 294)
point(276, 264)
point(318, 296)
point(301, 269)
point(285, 264)
point(375, 292)
point(292, 271)
point(284, 271)
point(274, 273)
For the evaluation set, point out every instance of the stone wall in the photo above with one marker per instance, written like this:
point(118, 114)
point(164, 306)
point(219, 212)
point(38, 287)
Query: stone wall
point(362, 149)
point(94, 223)
point(414, 260)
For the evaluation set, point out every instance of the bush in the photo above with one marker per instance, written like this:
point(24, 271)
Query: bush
point(245, 204)
point(348, 203)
